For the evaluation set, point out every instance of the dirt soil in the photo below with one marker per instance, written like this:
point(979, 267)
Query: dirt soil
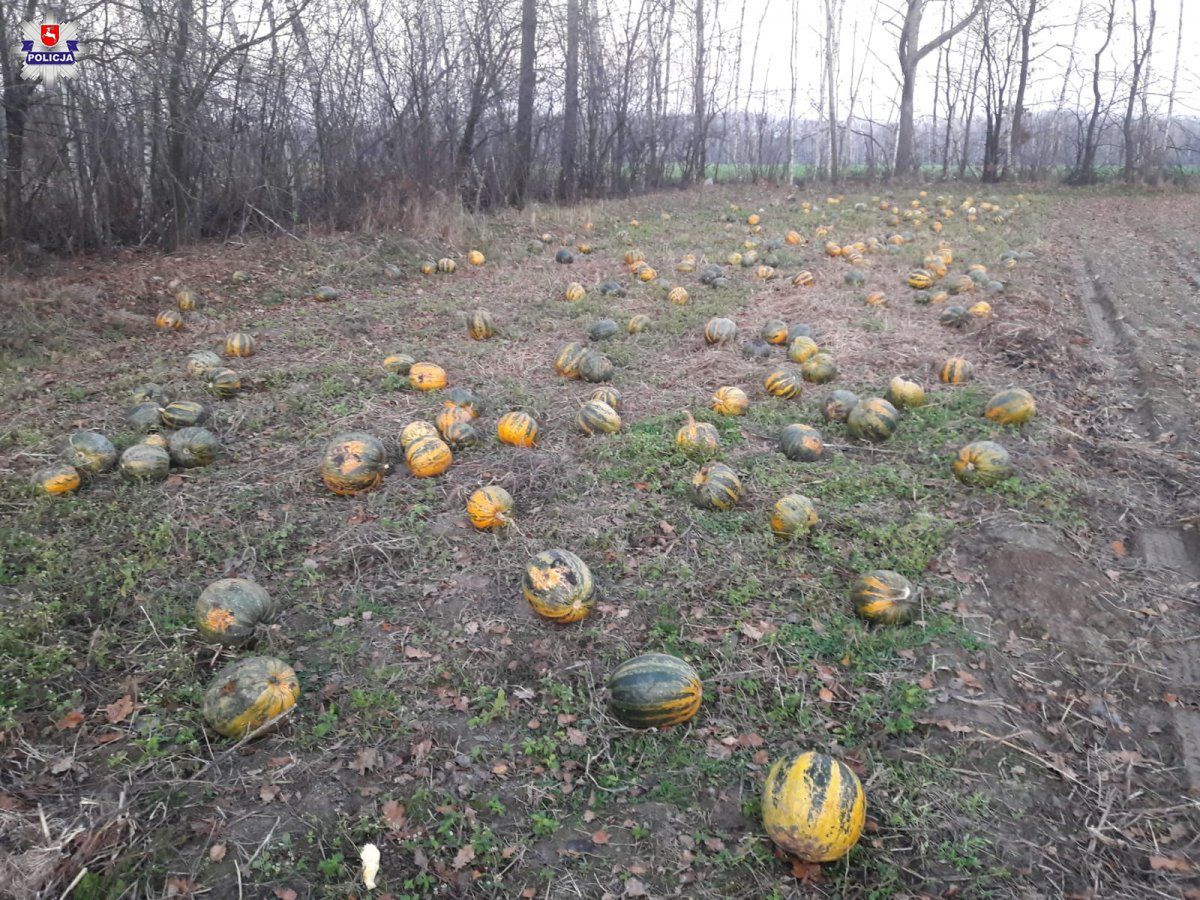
point(1035, 733)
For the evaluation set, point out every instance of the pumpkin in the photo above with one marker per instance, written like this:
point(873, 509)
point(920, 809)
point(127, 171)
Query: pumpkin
point(230, 609)
point(802, 348)
point(428, 457)
point(715, 486)
point(224, 383)
point(429, 266)
point(884, 597)
point(191, 447)
point(425, 376)
point(678, 295)
point(558, 585)
point(837, 406)
point(819, 369)
point(734, 259)
point(186, 300)
point(488, 508)
point(697, 439)
point(145, 461)
point(595, 367)
point(1014, 406)
point(450, 415)
point(982, 464)
point(686, 265)
point(905, 394)
point(955, 370)
point(813, 807)
point(460, 434)
point(765, 273)
point(753, 219)
point(980, 310)
point(646, 274)
point(602, 330)
point(583, 248)
point(392, 272)
point(654, 690)
point(800, 329)
point(398, 363)
point(414, 431)
point(793, 238)
point(564, 257)
point(954, 317)
point(476, 258)
point(466, 399)
point(756, 348)
point(637, 324)
point(875, 298)
point(182, 413)
point(598, 416)
point(920, 279)
point(609, 288)
point(239, 343)
point(144, 393)
point(480, 326)
point(938, 297)
point(961, 285)
point(804, 279)
point(517, 429)
point(144, 416)
point(793, 516)
point(570, 357)
point(832, 249)
point(90, 451)
point(353, 463)
point(730, 401)
point(782, 383)
point(248, 695)
point(719, 330)
point(574, 292)
point(873, 419)
point(169, 320)
point(325, 294)
point(200, 362)
point(546, 238)
point(801, 443)
point(57, 480)
point(774, 332)
point(855, 278)
point(607, 394)
point(633, 256)
point(447, 266)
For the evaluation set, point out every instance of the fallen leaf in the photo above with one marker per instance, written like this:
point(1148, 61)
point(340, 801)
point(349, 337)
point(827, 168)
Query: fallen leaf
point(806, 872)
point(394, 813)
point(268, 792)
point(119, 710)
point(634, 888)
point(412, 652)
point(826, 695)
point(1170, 864)
point(368, 758)
point(216, 852)
point(181, 887)
point(600, 837)
point(576, 738)
point(1118, 548)
point(73, 719)
point(463, 857)
point(285, 894)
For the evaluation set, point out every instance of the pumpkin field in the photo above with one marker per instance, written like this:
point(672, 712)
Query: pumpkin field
point(743, 541)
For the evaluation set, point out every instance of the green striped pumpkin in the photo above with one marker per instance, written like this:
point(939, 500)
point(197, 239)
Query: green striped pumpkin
point(782, 383)
point(199, 363)
point(884, 597)
point(905, 394)
point(774, 332)
point(398, 363)
point(570, 357)
point(716, 487)
point(230, 609)
point(1014, 406)
point(873, 419)
point(248, 694)
point(595, 367)
point(90, 451)
point(837, 406)
point(801, 443)
point(480, 326)
point(224, 383)
point(559, 587)
point(144, 461)
point(459, 435)
point(465, 398)
point(819, 369)
point(596, 416)
point(654, 690)
point(607, 394)
point(192, 446)
point(720, 330)
point(982, 464)
point(802, 348)
point(183, 413)
point(793, 516)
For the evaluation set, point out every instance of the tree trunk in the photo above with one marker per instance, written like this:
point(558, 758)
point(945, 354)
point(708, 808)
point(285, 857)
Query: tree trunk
point(698, 163)
point(1018, 116)
point(831, 83)
point(1085, 171)
point(568, 176)
point(525, 88)
point(1140, 55)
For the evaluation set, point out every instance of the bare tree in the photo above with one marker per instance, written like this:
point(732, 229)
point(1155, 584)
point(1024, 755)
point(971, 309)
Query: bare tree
point(1141, 54)
point(525, 90)
point(1085, 168)
point(1025, 11)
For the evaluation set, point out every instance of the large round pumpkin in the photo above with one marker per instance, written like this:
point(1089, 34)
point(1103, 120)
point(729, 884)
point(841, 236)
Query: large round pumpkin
point(638, 324)
point(144, 416)
point(200, 362)
point(837, 406)
point(325, 294)
point(476, 258)
point(954, 317)
point(715, 486)
point(574, 292)
point(905, 394)
point(698, 439)
point(224, 383)
point(654, 690)
point(596, 416)
point(186, 300)
point(447, 266)
point(57, 480)
point(608, 394)
point(450, 415)
point(169, 320)
point(774, 332)
point(558, 585)
point(465, 399)
point(248, 694)
point(719, 331)
point(414, 431)
point(801, 443)
point(955, 370)
point(678, 295)
point(804, 279)
point(782, 383)
point(425, 376)
point(517, 429)
point(569, 359)
point(802, 348)
point(564, 257)
point(819, 369)
point(229, 610)
point(793, 516)
point(488, 508)
point(428, 457)
point(883, 596)
point(595, 367)
point(460, 434)
point(982, 463)
point(603, 329)
point(238, 343)
point(90, 452)
point(354, 463)
point(398, 363)
point(145, 461)
point(480, 325)
point(813, 807)
point(193, 446)
point(873, 419)
point(730, 401)
point(920, 279)
point(183, 413)
point(1014, 406)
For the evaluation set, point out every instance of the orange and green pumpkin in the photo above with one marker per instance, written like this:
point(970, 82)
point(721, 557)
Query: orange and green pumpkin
point(488, 508)
point(169, 320)
point(465, 399)
point(719, 331)
point(476, 258)
point(248, 695)
point(1014, 406)
point(183, 413)
point(799, 329)
point(90, 451)
point(607, 394)
point(774, 332)
point(559, 587)
point(782, 383)
point(224, 383)
point(954, 317)
point(480, 325)
point(57, 480)
point(801, 443)
point(804, 279)
point(570, 357)
point(678, 295)
point(425, 376)
point(574, 292)
point(447, 266)
point(597, 417)
point(873, 420)
point(793, 238)
point(905, 394)
point(802, 348)
point(982, 464)
point(884, 597)
point(955, 370)
point(145, 461)
point(392, 272)
point(428, 457)
point(429, 267)
point(646, 274)
point(920, 279)
point(238, 343)
point(638, 324)
point(186, 300)
point(793, 516)
point(730, 401)
point(654, 690)
point(414, 431)
point(715, 486)
point(819, 369)
point(460, 434)
point(144, 416)
point(875, 298)
point(603, 329)
point(230, 610)
point(354, 463)
point(980, 310)
point(633, 256)
point(200, 362)
point(595, 367)
point(325, 294)
point(813, 807)
point(398, 363)
point(517, 429)
point(837, 406)
point(191, 447)
point(765, 273)
point(698, 439)
point(963, 284)
point(157, 440)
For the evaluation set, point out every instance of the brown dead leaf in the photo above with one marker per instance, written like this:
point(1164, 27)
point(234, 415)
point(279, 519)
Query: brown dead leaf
point(181, 887)
point(411, 652)
point(826, 695)
point(216, 852)
point(285, 894)
point(463, 857)
point(1170, 864)
point(394, 813)
point(634, 888)
point(600, 837)
point(576, 738)
point(268, 792)
point(1118, 548)
point(368, 758)
point(73, 719)
point(421, 748)
point(119, 710)
point(806, 872)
